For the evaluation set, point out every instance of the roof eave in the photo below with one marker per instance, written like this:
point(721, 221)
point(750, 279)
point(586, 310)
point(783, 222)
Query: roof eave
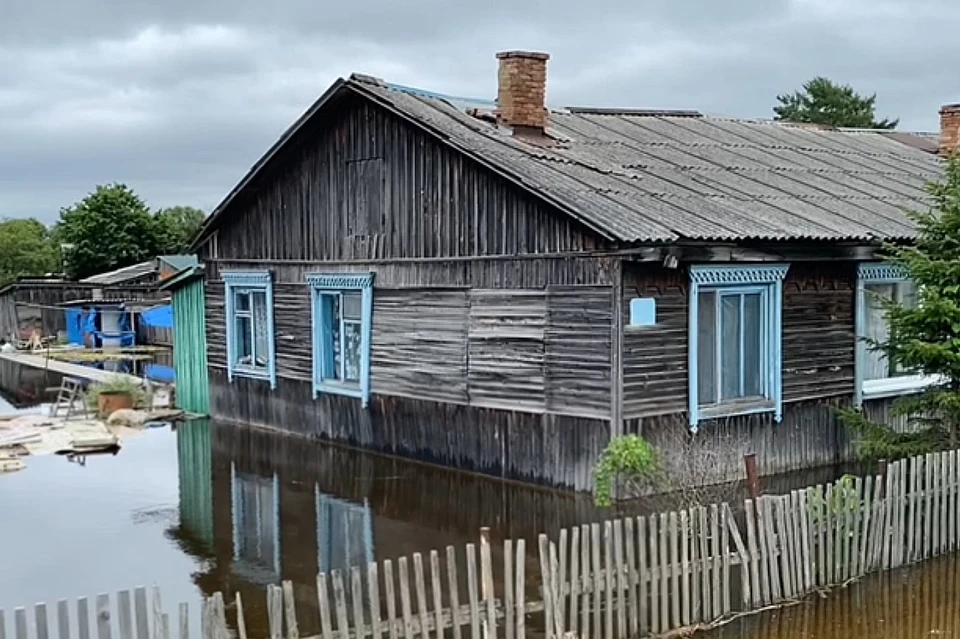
point(182, 278)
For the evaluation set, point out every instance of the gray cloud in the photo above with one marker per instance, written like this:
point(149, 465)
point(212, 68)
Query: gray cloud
point(178, 98)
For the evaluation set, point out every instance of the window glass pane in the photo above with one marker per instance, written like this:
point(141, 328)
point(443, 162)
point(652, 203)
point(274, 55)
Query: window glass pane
point(352, 305)
point(341, 332)
point(260, 329)
point(351, 350)
point(336, 338)
point(906, 293)
point(752, 346)
point(329, 336)
point(243, 326)
point(242, 301)
point(730, 346)
point(706, 347)
point(876, 328)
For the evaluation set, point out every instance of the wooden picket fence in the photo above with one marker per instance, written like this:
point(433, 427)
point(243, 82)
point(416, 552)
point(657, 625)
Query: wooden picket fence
point(615, 579)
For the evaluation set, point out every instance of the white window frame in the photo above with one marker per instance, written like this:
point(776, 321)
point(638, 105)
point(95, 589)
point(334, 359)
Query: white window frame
point(880, 273)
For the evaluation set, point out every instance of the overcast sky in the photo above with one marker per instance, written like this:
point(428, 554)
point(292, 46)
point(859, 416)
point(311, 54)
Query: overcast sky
point(177, 98)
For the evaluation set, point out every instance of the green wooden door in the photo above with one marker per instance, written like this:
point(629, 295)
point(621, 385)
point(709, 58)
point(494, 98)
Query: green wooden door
point(190, 348)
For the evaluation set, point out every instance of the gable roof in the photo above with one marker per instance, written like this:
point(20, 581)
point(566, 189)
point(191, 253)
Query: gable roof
point(659, 176)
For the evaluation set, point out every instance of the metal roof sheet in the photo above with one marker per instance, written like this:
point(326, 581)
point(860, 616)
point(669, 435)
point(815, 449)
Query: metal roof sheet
point(657, 176)
point(125, 274)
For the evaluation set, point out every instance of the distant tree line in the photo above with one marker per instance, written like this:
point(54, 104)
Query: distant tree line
point(110, 228)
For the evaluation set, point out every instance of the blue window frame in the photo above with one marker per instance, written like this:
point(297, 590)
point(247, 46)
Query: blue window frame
point(876, 377)
point(735, 341)
point(251, 351)
point(342, 317)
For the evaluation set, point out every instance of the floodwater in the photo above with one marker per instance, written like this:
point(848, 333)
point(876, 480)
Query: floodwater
point(914, 603)
point(211, 507)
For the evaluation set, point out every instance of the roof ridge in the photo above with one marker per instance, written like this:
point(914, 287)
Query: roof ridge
point(417, 91)
point(660, 113)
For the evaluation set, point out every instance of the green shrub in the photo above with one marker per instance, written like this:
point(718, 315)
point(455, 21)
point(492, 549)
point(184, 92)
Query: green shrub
point(629, 458)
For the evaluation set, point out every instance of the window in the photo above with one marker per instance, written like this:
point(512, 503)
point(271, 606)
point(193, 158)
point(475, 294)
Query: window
point(734, 335)
point(249, 318)
point(643, 311)
point(342, 321)
point(876, 376)
point(256, 527)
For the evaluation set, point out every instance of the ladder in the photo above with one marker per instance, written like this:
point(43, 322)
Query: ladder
point(71, 392)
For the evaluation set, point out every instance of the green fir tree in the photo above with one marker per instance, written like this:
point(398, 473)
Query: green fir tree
point(823, 101)
point(924, 336)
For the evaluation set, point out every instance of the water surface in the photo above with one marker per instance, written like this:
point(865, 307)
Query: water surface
point(915, 603)
point(215, 507)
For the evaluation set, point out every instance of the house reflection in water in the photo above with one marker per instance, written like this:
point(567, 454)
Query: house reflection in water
point(256, 527)
point(344, 533)
point(278, 507)
point(258, 508)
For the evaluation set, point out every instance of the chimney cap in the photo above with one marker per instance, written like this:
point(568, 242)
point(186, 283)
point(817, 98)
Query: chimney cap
point(950, 108)
point(530, 55)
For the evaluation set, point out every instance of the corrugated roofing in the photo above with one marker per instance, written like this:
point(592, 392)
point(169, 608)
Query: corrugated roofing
point(124, 274)
point(659, 176)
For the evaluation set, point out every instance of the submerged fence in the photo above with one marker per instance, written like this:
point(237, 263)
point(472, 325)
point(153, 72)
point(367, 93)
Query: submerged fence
point(615, 579)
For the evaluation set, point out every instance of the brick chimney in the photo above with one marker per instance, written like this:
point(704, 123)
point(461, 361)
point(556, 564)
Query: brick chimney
point(521, 91)
point(949, 128)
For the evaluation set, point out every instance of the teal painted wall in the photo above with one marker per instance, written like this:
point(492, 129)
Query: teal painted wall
point(190, 348)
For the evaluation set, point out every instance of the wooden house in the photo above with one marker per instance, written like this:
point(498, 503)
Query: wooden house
point(502, 287)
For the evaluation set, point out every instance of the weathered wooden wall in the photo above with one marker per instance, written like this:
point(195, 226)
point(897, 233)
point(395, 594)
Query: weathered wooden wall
point(818, 376)
point(818, 337)
point(366, 185)
point(545, 449)
point(460, 343)
point(518, 370)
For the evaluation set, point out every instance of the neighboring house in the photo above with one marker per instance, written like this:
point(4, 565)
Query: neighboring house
point(503, 288)
point(52, 305)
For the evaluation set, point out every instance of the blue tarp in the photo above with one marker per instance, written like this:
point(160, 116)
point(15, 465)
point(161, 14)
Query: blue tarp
point(158, 317)
point(90, 322)
point(74, 326)
point(159, 373)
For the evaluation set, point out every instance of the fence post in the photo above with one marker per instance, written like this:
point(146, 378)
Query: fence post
point(753, 480)
point(486, 584)
point(882, 471)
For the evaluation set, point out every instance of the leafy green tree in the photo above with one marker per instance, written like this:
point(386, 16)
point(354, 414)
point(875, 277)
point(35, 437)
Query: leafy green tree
point(176, 228)
point(109, 229)
point(924, 337)
point(823, 101)
point(25, 249)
